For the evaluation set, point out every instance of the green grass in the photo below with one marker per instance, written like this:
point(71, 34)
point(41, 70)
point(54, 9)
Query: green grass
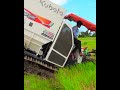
point(76, 77)
point(89, 42)
point(34, 82)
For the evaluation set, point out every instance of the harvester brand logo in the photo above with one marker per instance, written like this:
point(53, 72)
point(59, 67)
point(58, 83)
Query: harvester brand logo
point(50, 7)
point(38, 19)
point(48, 34)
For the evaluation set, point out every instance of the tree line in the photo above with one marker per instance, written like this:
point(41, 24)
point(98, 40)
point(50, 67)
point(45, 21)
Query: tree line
point(87, 34)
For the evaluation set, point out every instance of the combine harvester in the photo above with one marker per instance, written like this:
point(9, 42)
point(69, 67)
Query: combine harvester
point(48, 38)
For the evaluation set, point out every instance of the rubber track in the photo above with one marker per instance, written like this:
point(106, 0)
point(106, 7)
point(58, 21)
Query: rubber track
point(35, 65)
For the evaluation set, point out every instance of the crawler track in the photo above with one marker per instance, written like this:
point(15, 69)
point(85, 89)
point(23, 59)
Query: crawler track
point(35, 65)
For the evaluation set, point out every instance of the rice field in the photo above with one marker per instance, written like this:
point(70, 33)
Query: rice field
point(76, 77)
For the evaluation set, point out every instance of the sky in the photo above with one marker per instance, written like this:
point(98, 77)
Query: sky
point(83, 8)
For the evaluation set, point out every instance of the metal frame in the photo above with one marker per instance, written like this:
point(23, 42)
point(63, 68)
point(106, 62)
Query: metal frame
point(49, 52)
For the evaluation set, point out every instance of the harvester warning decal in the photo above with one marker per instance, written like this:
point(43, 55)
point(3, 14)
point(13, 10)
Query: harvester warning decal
point(38, 19)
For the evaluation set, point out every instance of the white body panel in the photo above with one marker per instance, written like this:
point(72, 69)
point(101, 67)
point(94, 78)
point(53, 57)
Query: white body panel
point(52, 14)
point(42, 20)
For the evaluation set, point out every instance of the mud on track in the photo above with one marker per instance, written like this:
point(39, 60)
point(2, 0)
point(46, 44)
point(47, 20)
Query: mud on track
point(34, 68)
